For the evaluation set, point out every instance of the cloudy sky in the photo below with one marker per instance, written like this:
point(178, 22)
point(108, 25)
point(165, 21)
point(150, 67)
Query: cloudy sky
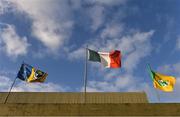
point(52, 34)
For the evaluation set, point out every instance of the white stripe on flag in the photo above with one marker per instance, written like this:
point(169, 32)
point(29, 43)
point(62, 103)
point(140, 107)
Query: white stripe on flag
point(105, 59)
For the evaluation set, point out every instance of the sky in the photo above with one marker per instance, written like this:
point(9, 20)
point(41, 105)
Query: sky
point(51, 35)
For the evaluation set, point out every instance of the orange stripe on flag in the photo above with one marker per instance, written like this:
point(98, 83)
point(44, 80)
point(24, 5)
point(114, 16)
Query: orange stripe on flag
point(115, 58)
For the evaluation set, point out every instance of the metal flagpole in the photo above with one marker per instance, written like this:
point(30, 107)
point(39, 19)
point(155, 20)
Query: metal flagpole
point(10, 90)
point(85, 75)
point(157, 94)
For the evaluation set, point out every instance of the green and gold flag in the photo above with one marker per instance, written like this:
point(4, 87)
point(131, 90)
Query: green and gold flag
point(162, 82)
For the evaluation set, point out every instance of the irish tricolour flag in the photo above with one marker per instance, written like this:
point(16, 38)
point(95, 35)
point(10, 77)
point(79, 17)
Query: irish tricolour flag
point(108, 59)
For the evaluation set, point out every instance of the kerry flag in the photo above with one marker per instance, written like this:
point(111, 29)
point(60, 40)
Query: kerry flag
point(162, 82)
point(108, 59)
point(30, 74)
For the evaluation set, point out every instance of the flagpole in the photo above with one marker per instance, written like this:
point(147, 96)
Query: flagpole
point(157, 94)
point(10, 90)
point(85, 74)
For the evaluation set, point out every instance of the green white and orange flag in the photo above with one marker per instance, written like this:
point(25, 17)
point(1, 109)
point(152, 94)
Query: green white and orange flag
point(108, 59)
point(162, 82)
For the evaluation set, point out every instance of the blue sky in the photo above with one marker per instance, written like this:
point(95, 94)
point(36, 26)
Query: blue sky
point(51, 35)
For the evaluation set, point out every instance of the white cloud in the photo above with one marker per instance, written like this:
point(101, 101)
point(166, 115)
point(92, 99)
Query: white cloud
point(6, 72)
point(6, 82)
point(140, 42)
point(165, 68)
point(51, 20)
point(75, 4)
point(123, 83)
point(4, 6)
point(39, 87)
point(108, 2)
point(97, 15)
point(12, 43)
point(101, 86)
point(130, 83)
point(112, 31)
point(170, 68)
point(77, 54)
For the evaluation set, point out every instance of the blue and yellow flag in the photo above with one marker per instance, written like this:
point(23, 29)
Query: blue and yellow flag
point(30, 74)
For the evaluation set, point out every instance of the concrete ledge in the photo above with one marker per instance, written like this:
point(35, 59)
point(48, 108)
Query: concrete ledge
point(74, 97)
point(135, 109)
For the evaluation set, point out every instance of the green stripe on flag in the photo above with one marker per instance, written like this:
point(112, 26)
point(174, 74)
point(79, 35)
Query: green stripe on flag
point(152, 74)
point(93, 56)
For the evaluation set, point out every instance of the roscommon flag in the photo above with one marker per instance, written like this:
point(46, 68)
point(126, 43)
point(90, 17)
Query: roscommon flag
point(30, 74)
point(162, 82)
point(108, 59)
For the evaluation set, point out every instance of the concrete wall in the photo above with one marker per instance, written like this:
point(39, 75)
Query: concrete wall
point(74, 98)
point(71, 104)
point(133, 109)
